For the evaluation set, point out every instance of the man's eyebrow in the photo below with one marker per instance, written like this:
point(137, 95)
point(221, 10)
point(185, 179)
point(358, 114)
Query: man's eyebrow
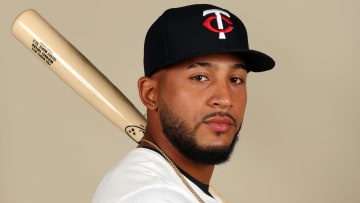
point(241, 65)
point(201, 64)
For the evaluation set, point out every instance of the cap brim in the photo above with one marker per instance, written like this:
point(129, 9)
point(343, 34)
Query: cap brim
point(257, 61)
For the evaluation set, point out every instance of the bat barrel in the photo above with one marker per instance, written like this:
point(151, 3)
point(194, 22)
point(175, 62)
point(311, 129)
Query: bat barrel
point(48, 45)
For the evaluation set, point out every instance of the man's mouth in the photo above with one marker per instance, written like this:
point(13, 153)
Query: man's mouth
point(219, 124)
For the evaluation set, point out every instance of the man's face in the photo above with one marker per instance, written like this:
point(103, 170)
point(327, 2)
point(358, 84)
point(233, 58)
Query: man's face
point(201, 103)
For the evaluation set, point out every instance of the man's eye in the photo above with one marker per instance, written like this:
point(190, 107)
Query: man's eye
point(236, 80)
point(199, 78)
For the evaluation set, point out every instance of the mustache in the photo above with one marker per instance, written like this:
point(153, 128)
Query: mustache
point(221, 114)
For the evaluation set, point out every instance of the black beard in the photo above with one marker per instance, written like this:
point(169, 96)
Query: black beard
point(183, 138)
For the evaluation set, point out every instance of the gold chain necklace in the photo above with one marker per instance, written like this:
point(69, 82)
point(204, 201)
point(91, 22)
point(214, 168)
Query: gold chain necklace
point(176, 169)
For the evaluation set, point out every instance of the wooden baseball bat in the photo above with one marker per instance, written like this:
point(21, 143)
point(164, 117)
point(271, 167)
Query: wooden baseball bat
point(48, 45)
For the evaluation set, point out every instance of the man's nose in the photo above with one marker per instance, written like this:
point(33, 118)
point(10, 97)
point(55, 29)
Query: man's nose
point(221, 96)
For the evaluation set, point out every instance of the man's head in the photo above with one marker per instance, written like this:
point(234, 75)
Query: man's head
point(199, 105)
point(196, 63)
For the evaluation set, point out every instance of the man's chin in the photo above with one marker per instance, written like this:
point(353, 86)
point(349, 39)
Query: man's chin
point(212, 154)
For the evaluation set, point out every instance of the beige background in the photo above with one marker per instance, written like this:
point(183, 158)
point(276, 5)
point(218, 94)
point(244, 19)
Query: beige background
point(300, 141)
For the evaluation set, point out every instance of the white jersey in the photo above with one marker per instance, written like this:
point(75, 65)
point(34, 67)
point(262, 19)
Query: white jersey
point(145, 176)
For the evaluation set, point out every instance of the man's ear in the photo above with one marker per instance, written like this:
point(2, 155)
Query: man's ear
point(147, 91)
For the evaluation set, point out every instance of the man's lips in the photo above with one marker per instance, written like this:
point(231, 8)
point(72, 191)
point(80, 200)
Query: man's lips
point(219, 123)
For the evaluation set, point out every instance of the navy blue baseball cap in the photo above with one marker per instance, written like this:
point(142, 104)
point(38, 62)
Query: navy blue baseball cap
point(186, 32)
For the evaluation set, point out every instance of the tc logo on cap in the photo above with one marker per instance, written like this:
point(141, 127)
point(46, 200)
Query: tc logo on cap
point(219, 16)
